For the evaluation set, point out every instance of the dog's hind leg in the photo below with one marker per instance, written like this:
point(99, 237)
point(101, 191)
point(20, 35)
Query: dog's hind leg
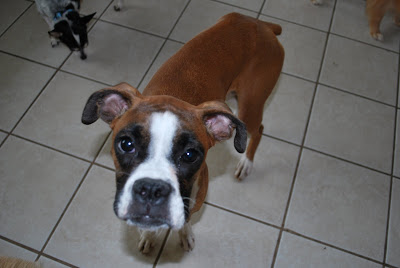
point(375, 11)
point(251, 114)
point(118, 5)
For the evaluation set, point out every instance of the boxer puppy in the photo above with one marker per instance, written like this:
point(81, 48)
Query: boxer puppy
point(161, 137)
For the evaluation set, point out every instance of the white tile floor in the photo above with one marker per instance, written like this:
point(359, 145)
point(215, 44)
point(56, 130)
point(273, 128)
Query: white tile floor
point(326, 187)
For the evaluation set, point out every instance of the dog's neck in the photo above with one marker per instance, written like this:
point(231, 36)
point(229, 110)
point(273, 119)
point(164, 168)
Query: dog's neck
point(59, 15)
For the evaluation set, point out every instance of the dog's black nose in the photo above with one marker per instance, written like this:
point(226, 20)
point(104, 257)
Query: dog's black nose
point(151, 191)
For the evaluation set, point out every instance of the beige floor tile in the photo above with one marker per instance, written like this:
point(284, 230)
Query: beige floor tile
point(253, 5)
point(303, 48)
point(373, 70)
point(200, 15)
point(222, 240)
point(396, 170)
point(169, 49)
point(2, 136)
point(55, 119)
point(141, 14)
point(302, 12)
point(121, 55)
point(340, 204)
point(20, 83)
point(32, 29)
point(352, 128)
point(48, 263)
point(10, 12)
point(91, 226)
point(10, 250)
point(264, 194)
point(393, 256)
point(298, 252)
point(351, 21)
point(35, 186)
point(286, 110)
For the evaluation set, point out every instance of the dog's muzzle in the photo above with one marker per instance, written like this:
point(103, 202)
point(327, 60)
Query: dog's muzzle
point(150, 203)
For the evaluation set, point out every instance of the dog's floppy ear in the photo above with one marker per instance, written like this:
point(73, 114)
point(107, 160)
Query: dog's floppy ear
point(220, 123)
point(109, 103)
point(86, 19)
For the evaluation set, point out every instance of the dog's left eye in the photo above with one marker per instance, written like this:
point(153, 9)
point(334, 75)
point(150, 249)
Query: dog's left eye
point(126, 144)
point(190, 156)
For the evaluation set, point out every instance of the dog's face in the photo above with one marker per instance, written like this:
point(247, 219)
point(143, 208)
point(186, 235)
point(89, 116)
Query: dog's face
point(71, 29)
point(159, 149)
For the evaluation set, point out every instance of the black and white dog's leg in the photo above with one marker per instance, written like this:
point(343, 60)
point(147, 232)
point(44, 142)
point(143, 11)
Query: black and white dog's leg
point(187, 237)
point(147, 240)
point(53, 41)
point(118, 5)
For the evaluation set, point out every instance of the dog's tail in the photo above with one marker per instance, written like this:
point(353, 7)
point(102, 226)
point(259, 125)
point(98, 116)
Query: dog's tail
point(276, 28)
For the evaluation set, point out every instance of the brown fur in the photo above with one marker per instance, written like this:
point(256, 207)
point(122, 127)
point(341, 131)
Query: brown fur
point(239, 55)
point(247, 47)
point(8, 262)
point(376, 9)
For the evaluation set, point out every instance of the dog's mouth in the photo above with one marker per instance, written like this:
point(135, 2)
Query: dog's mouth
point(148, 222)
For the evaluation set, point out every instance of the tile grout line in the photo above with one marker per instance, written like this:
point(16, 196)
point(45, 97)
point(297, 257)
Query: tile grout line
point(15, 243)
point(50, 148)
point(283, 229)
point(330, 245)
point(90, 166)
point(144, 75)
point(71, 199)
point(396, 114)
point(34, 101)
point(242, 215)
point(20, 15)
point(304, 138)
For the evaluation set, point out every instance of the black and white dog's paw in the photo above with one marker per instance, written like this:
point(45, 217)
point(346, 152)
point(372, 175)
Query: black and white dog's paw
point(187, 237)
point(54, 42)
point(118, 5)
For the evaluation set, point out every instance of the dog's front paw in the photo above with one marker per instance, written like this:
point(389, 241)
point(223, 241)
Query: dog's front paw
point(146, 242)
point(54, 42)
point(187, 237)
point(316, 2)
point(243, 168)
point(377, 36)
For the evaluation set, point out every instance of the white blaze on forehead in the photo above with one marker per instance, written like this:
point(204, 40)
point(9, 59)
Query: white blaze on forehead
point(162, 131)
point(163, 127)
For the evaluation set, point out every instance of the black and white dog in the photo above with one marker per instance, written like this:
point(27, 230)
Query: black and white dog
point(66, 25)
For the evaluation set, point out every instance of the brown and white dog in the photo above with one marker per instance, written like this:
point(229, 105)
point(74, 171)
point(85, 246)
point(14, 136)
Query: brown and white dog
point(376, 10)
point(161, 137)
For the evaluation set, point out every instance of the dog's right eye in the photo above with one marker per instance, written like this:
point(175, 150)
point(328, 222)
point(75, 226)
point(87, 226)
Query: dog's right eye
point(126, 144)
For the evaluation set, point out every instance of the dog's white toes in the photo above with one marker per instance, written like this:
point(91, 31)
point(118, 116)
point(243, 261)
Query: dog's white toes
point(187, 237)
point(187, 243)
point(377, 36)
point(145, 245)
point(316, 2)
point(54, 42)
point(243, 168)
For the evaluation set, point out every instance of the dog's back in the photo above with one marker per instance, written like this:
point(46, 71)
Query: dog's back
point(216, 57)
